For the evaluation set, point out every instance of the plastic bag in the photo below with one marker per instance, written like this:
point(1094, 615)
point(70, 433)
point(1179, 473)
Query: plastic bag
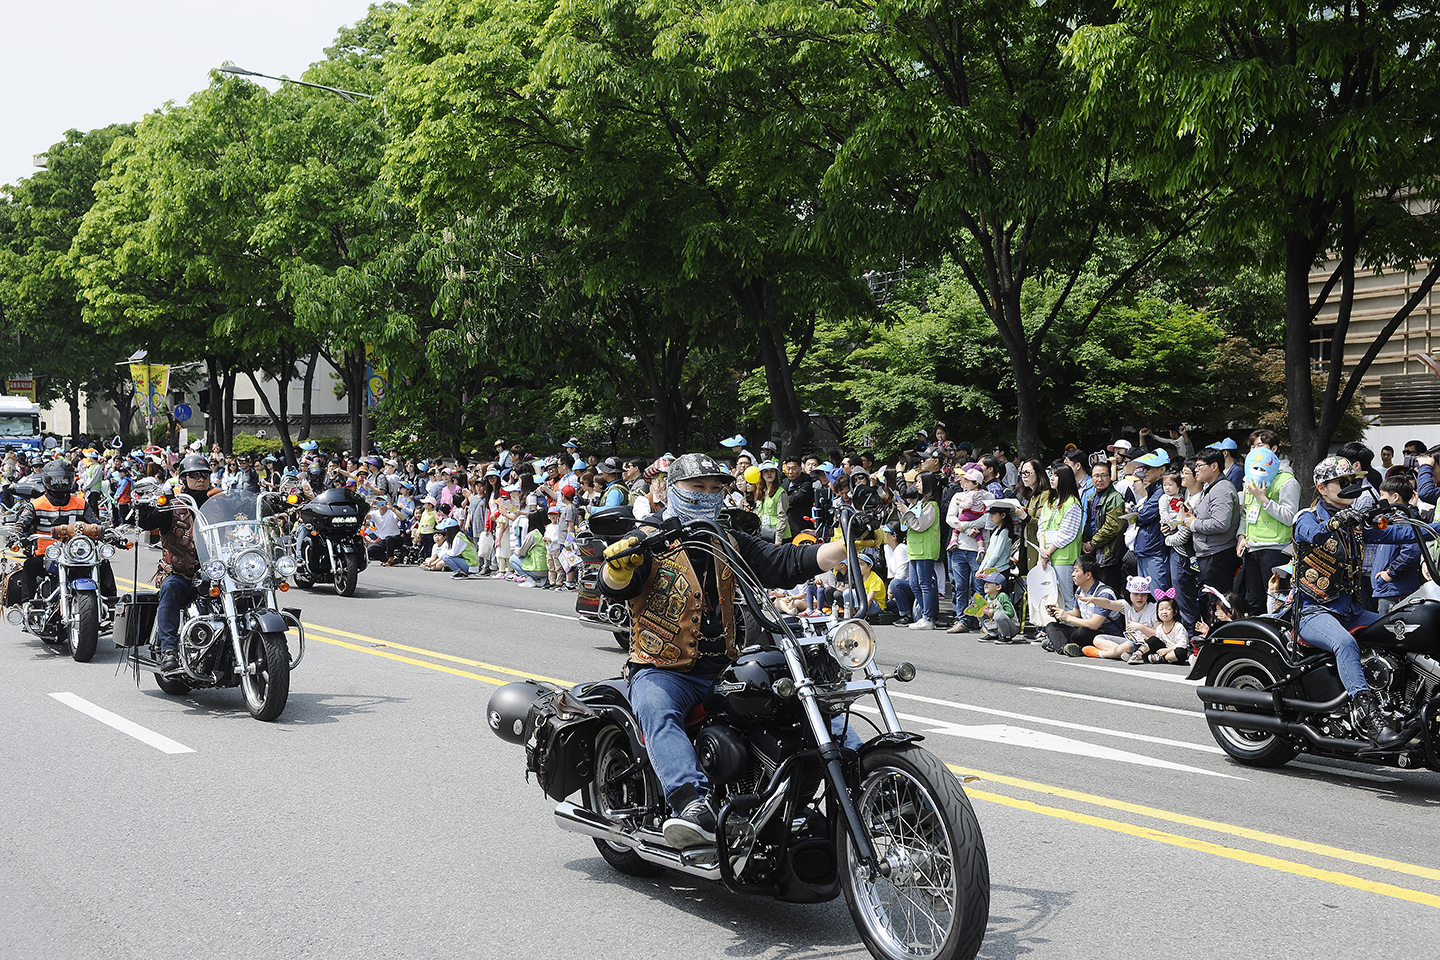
point(1042, 590)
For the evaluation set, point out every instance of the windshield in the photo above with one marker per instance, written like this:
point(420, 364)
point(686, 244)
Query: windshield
point(18, 425)
point(230, 523)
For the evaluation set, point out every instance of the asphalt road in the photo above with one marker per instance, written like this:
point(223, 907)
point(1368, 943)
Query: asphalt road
point(380, 818)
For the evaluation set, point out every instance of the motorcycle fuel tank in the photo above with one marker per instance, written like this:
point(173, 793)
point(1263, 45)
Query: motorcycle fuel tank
point(1413, 627)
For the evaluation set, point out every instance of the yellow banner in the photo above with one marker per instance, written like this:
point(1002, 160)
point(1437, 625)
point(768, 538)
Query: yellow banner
point(151, 380)
point(21, 387)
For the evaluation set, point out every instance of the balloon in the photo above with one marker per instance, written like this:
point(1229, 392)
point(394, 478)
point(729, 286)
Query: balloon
point(752, 475)
point(1262, 466)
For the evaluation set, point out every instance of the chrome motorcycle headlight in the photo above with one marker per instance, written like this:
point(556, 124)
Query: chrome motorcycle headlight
point(285, 565)
point(250, 567)
point(52, 552)
point(107, 550)
point(80, 549)
point(215, 570)
point(853, 644)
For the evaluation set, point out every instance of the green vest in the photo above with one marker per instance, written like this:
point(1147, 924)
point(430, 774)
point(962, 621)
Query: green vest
point(1050, 517)
point(770, 510)
point(1266, 531)
point(534, 561)
point(924, 544)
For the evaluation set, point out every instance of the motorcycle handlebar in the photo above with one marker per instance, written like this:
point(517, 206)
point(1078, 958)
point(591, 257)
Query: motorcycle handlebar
point(669, 530)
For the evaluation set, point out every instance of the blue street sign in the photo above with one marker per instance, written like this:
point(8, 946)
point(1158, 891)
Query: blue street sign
point(183, 412)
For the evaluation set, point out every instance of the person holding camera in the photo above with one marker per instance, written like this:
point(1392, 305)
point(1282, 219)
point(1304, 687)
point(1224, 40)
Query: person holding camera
point(1071, 630)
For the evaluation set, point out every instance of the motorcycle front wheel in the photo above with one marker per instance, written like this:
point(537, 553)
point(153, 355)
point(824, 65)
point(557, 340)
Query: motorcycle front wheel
point(265, 677)
point(346, 577)
point(85, 631)
point(935, 903)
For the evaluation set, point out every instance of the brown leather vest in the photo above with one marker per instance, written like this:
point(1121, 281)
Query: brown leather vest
point(665, 617)
point(178, 547)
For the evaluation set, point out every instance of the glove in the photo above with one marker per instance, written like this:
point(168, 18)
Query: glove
point(1346, 518)
point(622, 570)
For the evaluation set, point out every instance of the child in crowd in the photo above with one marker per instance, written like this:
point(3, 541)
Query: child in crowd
point(554, 543)
point(1224, 608)
point(874, 586)
point(1396, 572)
point(1140, 618)
point(1169, 642)
point(997, 613)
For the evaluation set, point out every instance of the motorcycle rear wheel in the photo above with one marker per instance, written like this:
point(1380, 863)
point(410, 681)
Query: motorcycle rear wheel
point(1253, 748)
point(265, 677)
point(936, 902)
point(612, 755)
point(346, 577)
point(84, 633)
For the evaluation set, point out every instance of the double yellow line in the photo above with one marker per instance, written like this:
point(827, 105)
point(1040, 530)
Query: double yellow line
point(498, 675)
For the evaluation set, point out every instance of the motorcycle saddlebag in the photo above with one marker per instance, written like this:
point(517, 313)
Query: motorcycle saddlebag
point(561, 746)
point(134, 618)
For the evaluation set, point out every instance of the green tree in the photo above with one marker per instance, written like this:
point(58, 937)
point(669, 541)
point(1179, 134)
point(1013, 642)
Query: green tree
point(1319, 122)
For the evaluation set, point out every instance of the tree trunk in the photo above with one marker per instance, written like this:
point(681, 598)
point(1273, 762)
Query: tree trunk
point(278, 418)
point(1306, 444)
point(212, 416)
point(305, 397)
point(74, 413)
point(228, 430)
point(354, 379)
point(762, 311)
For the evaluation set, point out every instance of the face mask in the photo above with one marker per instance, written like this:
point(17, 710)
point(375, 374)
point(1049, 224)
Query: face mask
point(1262, 466)
point(688, 506)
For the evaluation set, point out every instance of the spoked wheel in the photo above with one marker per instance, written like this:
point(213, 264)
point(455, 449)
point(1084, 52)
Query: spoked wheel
point(1254, 748)
point(346, 577)
point(84, 633)
point(618, 785)
point(266, 674)
point(935, 903)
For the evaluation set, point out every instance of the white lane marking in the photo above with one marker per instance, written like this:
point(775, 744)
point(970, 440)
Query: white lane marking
point(1120, 703)
point(1046, 721)
point(1038, 740)
point(543, 613)
point(1341, 772)
point(145, 735)
point(1140, 672)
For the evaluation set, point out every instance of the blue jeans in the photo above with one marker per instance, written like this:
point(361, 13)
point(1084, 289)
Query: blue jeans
point(661, 699)
point(1065, 580)
point(1186, 582)
point(904, 597)
point(176, 593)
point(962, 566)
point(1157, 568)
point(922, 581)
point(457, 564)
point(1321, 628)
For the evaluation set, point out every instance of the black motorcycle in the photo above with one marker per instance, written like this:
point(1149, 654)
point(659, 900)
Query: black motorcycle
point(327, 542)
point(801, 815)
point(1269, 696)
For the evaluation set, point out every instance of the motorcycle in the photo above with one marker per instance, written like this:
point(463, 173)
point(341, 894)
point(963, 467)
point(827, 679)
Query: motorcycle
point(802, 814)
point(327, 545)
point(66, 607)
point(1269, 696)
point(234, 632)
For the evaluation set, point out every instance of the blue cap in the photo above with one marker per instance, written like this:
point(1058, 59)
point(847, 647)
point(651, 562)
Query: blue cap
point(380, 500)
point(736, 441)
point(579, 465)
point(572, 442)
point(447, 523)
point(1156, 458)
point(1227, 444)
point(993, 576)
point(423, 465)
point(309, 445)
point(836, 474)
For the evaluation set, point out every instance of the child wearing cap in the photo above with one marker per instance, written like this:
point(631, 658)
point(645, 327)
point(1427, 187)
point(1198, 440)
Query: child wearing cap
point(1140, 620)
point(996, 611)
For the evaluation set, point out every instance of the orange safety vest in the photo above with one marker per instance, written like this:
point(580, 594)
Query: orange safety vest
point(48, 517)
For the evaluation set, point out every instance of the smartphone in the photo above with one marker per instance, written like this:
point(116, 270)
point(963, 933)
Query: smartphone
point(1410, 460)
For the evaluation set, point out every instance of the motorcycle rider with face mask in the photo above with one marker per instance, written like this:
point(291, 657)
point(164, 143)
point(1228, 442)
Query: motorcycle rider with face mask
point(1329, 551)
point(59, 506)
point(683, 630)
point(178, 563)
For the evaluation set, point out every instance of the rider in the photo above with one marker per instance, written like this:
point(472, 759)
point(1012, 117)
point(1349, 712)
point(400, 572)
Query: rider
point(178, 564)
point(59, 505)
point(1328, 562)
point(683, 630)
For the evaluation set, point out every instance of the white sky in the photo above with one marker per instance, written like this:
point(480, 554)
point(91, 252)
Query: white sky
point(84, 64)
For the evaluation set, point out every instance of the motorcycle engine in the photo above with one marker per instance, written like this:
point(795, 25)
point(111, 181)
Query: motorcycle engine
point(1424, 680)
point(1381, 669)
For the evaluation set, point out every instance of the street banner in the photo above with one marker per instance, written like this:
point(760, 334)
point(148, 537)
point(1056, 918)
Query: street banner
point(151, 381)
point(21, 387)
point(377, 377)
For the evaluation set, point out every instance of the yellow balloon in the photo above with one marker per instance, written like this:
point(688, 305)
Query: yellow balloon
point(752, 474)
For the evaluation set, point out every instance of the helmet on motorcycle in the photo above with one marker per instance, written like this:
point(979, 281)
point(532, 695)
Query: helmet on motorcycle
point(59, 480)
point(194, 463)
point(695, 465)
point(509, 710)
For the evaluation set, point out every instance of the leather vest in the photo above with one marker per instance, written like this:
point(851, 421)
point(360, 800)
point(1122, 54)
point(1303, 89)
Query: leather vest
point(177, 545)
point(1330, 567)
point(665, 617)
point(48, 517)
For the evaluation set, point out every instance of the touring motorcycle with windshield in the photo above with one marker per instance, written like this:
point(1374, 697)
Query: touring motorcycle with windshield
point(234, 632)
point(328, 546)
point(66, 607)
point(803, 814)
point(1269, 696)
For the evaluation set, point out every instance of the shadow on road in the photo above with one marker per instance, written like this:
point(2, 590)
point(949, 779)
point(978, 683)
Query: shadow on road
point(301, 709)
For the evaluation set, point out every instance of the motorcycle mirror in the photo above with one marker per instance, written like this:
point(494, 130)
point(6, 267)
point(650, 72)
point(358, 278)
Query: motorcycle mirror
point(1353, 491)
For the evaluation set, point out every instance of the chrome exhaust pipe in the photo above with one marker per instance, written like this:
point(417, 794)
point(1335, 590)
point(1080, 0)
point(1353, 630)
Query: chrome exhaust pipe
point(696, 863)
point(15, 616)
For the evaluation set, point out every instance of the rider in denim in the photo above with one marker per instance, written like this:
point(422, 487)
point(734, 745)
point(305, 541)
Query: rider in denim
point(1328, 564)
point(683, 631)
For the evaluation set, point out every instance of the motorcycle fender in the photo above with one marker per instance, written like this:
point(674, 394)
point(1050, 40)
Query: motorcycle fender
point(353, 548)
point(1240, 634)
point(888, 740)
point(269, 622)
point(83, 583)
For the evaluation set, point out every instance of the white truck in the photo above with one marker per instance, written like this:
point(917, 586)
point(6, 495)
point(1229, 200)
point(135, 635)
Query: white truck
point(19, 424)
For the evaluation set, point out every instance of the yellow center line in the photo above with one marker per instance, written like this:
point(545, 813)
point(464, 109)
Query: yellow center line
point(437, 655)
point(1204, 846)
point(395, 656)
point(1383, 863)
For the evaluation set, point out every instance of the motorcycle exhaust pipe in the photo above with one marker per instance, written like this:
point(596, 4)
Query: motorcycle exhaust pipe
point(15, 616)
point(1257, 700)
point(1262, 723)
point(576, 819)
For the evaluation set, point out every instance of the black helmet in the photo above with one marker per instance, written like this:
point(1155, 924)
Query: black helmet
point(692, 465)
point(59, 480)
point(194, 463)
point(509, 710)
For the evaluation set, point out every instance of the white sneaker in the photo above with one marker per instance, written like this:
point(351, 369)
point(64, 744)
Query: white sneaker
point(922, 624)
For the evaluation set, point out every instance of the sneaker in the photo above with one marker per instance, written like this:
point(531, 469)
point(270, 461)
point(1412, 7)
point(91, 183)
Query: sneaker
point(1091, 651)
point(500, 576)
point(460, 575)
point(899, 621)
point(1073, 650)
point(1136, 657)
point(692, 827)
point(959, 627)
point(923, 623)
point(522, 582)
